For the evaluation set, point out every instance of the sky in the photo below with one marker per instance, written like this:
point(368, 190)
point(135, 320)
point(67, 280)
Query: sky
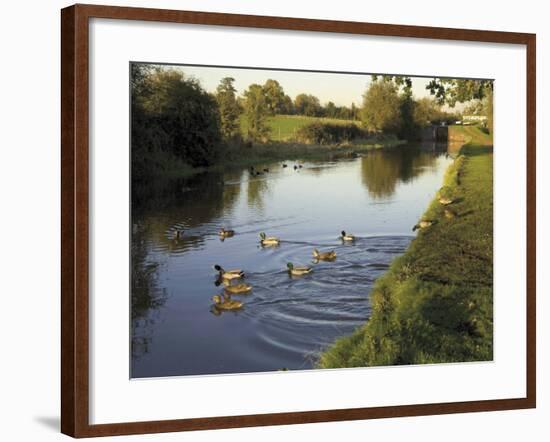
point(342, 89)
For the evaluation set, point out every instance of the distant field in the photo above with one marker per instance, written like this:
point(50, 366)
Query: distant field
point(283, 127)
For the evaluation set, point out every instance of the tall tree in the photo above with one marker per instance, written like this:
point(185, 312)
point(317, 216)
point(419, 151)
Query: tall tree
point(306, 104)
point(381, 107)
point(275, 96)
point(256, 111)
point(409, 129)
point(229, 107)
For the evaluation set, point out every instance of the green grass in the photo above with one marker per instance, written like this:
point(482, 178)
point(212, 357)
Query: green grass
point(435, 302)
point(284, 127)
point(469, 135)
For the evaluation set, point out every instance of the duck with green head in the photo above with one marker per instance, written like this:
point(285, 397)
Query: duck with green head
point(269, 240)
point(298, 271)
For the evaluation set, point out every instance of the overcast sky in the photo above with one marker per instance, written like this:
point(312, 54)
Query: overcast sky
point(342, 89)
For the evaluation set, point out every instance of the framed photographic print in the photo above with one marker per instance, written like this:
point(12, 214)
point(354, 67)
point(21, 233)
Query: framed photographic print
point(265, 218)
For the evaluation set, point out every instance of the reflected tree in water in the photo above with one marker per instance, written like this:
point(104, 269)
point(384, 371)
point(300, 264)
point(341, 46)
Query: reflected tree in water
point(255, 191)
point(231, 189)
point(192, 203)
point(382, 171)
point(146, 296)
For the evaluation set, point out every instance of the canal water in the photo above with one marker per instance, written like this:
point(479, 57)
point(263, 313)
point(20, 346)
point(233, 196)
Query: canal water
point(285, 322)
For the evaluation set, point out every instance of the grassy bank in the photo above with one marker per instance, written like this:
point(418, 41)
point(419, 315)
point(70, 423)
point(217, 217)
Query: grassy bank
point(435, 302)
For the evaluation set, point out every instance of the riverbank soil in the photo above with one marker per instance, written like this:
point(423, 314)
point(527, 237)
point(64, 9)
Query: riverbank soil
point(435, 302)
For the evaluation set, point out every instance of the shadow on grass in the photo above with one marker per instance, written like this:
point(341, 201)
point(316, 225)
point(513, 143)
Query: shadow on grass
point(474, 151)
point(464, 214)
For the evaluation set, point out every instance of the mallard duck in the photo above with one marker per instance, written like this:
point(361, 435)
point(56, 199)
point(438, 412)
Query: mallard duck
point(229, 274)
point(237, 289)
point(449, 214)
point(269, 240)
point(284, 165)
point(226, 303)
point(223, 233)
point(444, 201)
point(298, 271)
point(325, 256)
point(347, 236)
point(423, 224)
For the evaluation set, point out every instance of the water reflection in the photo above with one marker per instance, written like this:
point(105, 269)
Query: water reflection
point(163, 209)
point(146, 296)
point(256, 187)
point(381, 171)
point(285, 321)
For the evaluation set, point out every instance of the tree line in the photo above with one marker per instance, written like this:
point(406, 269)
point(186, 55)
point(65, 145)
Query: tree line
point(175, 119)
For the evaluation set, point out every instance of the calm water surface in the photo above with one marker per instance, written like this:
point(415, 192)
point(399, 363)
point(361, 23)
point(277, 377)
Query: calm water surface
point(285, 322)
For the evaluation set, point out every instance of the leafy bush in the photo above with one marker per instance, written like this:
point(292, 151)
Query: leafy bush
point(327, 133)
point(172, 116)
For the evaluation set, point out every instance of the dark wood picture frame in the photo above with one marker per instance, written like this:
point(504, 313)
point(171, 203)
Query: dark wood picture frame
point(75, 219)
